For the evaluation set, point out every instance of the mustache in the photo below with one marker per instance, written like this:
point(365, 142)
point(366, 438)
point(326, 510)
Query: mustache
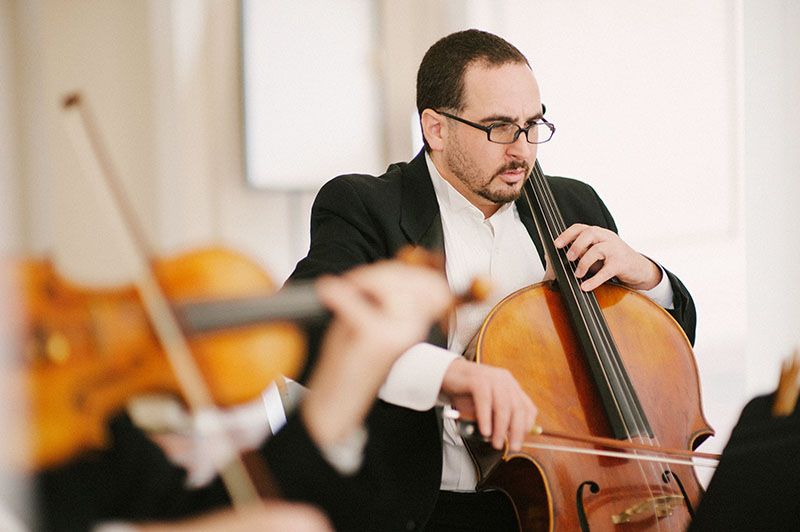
point(515, 166)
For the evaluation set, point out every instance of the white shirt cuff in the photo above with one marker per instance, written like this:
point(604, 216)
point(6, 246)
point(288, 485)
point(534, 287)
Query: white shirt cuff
point(346, 456)
point(662, 292)
point(115, 527)
point(416, 377)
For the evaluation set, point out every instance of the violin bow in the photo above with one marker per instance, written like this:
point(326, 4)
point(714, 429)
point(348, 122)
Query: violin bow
point(100, 175)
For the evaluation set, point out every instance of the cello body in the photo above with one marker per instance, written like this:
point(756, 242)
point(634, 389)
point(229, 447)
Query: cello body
point(530, 334)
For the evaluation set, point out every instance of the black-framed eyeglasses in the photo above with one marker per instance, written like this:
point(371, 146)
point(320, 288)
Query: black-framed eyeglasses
point(538, 132)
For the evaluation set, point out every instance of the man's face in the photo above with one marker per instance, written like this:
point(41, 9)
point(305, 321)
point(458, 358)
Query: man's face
point(486, 173)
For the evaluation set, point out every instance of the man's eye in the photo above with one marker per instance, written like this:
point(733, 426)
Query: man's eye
point(502, 125)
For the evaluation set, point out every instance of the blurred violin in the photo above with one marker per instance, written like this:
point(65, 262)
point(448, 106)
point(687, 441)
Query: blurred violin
point(93, 350)
point(87, 351)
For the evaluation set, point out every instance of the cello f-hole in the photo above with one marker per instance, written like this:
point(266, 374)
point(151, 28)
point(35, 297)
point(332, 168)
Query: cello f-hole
point(594, 488)
point(666, 476)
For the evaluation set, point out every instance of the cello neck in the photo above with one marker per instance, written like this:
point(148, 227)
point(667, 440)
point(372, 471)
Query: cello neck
point(620, 402)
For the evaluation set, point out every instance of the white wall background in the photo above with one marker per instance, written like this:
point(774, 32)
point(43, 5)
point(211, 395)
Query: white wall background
point(772, 188)
point(684, 115)
point(311, 91)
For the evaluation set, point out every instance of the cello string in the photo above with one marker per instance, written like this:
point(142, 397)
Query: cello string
point(100, 175)
point(600, 326)
point(550, 232)
point(612, 362)
point(644, 433)
point(609, 358)
point(553, 229)
point(597, 323)
point(557, 225)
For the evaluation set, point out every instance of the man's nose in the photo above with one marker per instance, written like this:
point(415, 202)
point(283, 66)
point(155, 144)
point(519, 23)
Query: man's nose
point(521, 148)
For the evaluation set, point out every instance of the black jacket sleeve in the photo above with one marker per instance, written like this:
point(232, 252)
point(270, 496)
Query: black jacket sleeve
point(132, 481)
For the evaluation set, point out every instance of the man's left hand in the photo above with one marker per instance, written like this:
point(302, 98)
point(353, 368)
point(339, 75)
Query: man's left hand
point(603, 255)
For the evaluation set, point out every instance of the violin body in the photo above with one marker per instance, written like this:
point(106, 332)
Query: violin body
point(87, 352)
point(530, 334)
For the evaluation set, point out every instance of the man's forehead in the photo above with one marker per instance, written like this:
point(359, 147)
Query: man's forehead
point(509, 89)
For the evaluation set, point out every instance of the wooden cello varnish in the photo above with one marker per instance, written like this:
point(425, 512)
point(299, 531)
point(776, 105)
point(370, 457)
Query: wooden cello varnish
point(643, 387)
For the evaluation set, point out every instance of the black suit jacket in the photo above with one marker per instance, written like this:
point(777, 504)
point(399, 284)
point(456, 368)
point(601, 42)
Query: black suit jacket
point(755, 485)
point(134, 481)
point(359, 219)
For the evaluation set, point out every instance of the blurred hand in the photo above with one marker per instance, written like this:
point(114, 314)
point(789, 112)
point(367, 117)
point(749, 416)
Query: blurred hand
point(380, 310)
point(273, 516)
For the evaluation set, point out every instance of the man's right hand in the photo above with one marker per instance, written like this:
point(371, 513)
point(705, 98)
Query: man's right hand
point(494, 398)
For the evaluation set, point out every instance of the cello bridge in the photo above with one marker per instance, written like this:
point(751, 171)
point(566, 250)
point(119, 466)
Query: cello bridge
point(661, 506)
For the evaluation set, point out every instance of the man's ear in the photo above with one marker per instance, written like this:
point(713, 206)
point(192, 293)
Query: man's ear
point(434, 128)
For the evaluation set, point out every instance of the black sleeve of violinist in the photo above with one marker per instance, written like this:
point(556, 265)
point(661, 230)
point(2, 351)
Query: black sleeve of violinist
point(133, 481)
point(755, 486)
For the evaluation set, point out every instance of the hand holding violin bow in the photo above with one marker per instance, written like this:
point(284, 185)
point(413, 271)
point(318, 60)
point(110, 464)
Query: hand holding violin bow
point(379, 310)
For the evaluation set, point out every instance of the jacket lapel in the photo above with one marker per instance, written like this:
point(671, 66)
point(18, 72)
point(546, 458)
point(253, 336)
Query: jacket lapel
point(420, 219)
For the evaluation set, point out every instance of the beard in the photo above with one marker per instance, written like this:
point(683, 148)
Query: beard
point(504, 193)
point(492, 188)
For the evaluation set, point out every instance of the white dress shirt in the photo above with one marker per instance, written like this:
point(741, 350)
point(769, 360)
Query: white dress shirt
point(499, 249)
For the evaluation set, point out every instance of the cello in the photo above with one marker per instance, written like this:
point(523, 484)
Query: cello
point(607, 364)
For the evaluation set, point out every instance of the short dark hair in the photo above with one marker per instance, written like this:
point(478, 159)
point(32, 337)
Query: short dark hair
point(440, 78)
